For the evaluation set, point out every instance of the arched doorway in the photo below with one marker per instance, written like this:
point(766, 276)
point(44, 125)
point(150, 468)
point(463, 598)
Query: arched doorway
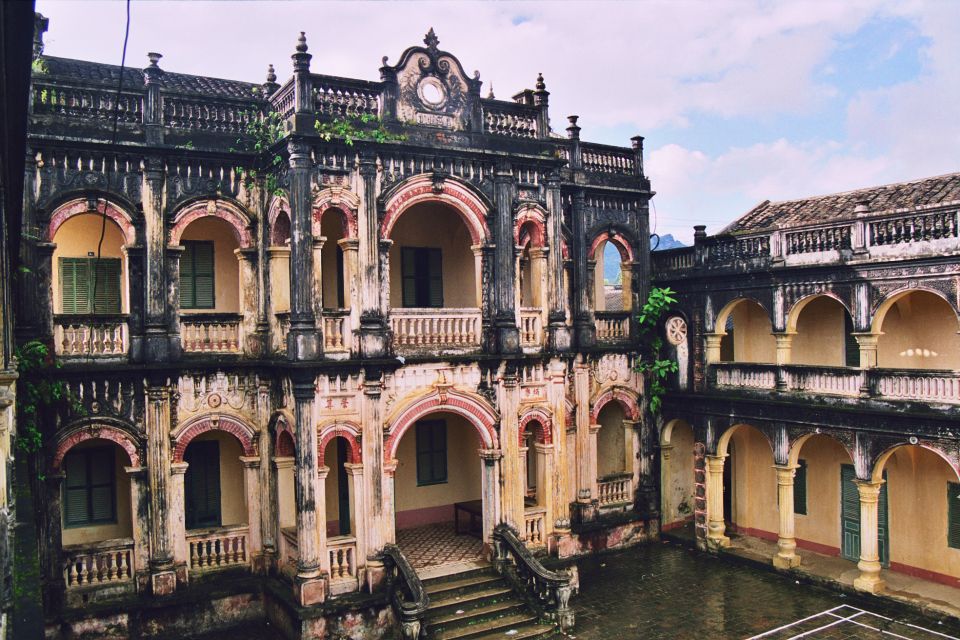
point(918, 330)
point(820, 499)
point(746, 333)
point(678, 486)
point(824, 334)
point(614, 457)
point(741, 487)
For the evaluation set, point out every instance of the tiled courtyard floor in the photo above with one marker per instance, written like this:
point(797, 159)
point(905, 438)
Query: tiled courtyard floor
point(666, 591)
point(437, 544)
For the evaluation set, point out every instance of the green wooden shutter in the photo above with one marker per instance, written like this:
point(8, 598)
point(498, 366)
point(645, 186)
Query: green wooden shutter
point(75, 505)
point(850, 345)
point(75, 285)
point(202, 484)
point(439, 453)
point(408, 269)
point(106, 287)
point(197, 276)
point(953, 515)
point(102, 488)
point(188, 299)
point(849, 514)
point(431, 452)
point(800, 489)
point(434, 277)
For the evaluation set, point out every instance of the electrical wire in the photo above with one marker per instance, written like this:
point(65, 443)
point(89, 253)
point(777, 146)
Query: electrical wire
point(113, 143)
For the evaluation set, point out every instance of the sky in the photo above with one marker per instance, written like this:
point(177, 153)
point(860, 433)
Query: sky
point(739, 101)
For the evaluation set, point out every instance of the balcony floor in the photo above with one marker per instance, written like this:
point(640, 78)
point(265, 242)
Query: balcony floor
point(437, 544)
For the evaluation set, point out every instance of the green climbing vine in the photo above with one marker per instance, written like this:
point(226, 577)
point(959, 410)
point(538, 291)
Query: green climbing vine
point(260, 136)
point(652, 364)
point(362, 127)
point(40, 395)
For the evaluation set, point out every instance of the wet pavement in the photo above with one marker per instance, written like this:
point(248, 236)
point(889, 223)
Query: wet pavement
point(663, 590)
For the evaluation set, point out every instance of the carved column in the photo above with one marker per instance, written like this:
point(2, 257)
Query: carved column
point(786, 557)
point(309, 585)
point(784, 355)
point(174, 253)
point(539, 285)
point(177, 520)
point(157, 422)
point(378, 515)
point(357, 511)
point(478, 251)
point(133, 255)
point(560, 479)
point(712, 349)
point(373, 328)
point(302, 340)
point(626, 285)
point(266, 487)
point(589, 462)
point(583, 320)
point(559, 332)
point(322, 473)
point(581, 389)
point(514, 482)
point(251, 481)
point(716, 527)
point(868, 349)
point(249, 339)
point(44, 280)
point(869, 579)
point(490, 490)
point(351, 285)
point(156, 345)
point(504, 320)
point(140, 524)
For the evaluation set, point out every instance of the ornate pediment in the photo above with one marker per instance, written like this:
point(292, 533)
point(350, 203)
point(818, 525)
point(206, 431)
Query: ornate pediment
point(432, 88)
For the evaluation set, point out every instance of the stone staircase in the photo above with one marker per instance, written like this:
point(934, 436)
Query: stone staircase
point(479, 605)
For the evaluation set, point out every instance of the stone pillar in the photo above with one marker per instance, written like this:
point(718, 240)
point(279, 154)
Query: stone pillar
point(595, 297)
point(266, 487)
point(868, 349)
point(378, 515)
point(156, 347)
point(581, 389)
point(490, 491)
point(583, 320)
point(545, 475)
point(302, 340)
point(178, 521)
point(632, 451)
point(538, 279)
point(322, 473)
point(140, 524)
point(478, 250)
point(372, 273)
point(559, 333)
point(163, 578)
point(716, 527)
point(309, 585)
point(249, 302)
point(589, 462)
point(505, 317)
point(44, 278)
point(357, 511)
point(784, 355)
point(869, 565)
point(626, 285)
point(279, 275)
point(560, 478)
point(712, 341)
point(786, 557)
point(133, 256)
point(514, 482)
point(351, 284)
point(251, 481)
point(318, 243)
point(666, 504)
point(174, 253)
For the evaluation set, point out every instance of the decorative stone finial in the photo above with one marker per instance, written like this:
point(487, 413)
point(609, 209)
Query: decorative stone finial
point(301, 59)
point(302, 42)
point(863, 205)
point(271, 74)
point(573, 131)
point(541, 85)
point(154, 59)
point(490, 95)
point(153, 74)
point(431, 40)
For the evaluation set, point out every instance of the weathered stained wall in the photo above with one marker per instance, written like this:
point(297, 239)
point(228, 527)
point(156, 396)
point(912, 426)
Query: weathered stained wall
point(678, 482)
point(611, 445)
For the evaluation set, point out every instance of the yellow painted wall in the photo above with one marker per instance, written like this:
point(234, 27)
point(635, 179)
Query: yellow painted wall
point(526, 277)
point(610, 440)
point(820, 338)
point(752, 341)
point(824, 457)
point(79, 235)
point(754, 482)
point(917, 493)
point(233, 498)
point(286, 498)
point(463, 468)
point(436, 225)
point(332, 486)
point(679, 486)
point(123, 527)
point(280, 278)
point(226, 267)
point(331, 228)
point(915, 328)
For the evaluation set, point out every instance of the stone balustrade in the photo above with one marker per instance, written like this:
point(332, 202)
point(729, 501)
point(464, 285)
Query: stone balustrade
point(215, 549)
point(90, 336)
point(336, 331)
point(431, 328)
point(87, 103)
point(836, 381)
point(100, 564)
point(345, 98)
point(342, 552)
point(510, 119)
point(615, 490)
point(745, 375)
point(935, 387)
point(535, 526)
point(531, 327)
point(613, 326)
point(597, 158)
point(210, 333)
point(208, 114)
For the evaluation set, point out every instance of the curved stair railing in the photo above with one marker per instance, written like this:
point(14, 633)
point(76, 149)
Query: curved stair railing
point(408, 597)
point(548, 592)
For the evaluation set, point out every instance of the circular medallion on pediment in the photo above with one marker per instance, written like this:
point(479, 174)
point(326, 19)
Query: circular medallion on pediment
point(676, 329)
point(432, 92)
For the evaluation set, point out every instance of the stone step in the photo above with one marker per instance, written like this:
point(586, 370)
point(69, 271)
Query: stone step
point(457, 600)
point(464, 617)
point(530, 631)
point(442, 586)
point(497, 627)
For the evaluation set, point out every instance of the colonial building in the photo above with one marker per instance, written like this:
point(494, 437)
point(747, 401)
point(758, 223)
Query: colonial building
point(303, 322)
point(817, 399)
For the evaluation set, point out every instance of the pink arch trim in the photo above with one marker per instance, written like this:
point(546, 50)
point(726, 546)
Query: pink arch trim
point(80, 206)
point(347, 431)
point(475, 411)
point(530, 219)
point(421, 189)
point(97, 432)
point(880, 462)
point(215, 423)
point(626, 400)
point(543, 426)
point(626, 253)
point(237, 220)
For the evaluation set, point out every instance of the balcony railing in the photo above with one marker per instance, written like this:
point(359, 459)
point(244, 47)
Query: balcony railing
point(210, 332)
point(613, 326)
point(535, 526)
point(90, 336)
point(925, 386)
point(216, 549)
point(432, 328)
point(99, 564)
point(746, 375)
point(336, 331)
point(512, 119)
point(531, 327)
point(599, 158)
point(615, 490)
point(342, 551)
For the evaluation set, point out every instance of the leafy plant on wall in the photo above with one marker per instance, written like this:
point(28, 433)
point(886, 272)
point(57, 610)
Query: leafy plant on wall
point(654, 367)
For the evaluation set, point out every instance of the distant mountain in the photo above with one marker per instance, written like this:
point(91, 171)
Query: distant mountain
point(667, 241)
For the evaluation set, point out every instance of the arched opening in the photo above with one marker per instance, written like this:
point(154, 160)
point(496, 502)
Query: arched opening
point(95, 498)
point(280, 233)
point(209, 275)
point(214, 493)
point(749, 483)
point(818, 495)
point(746, 333)
point(338, 488)
point(335, 291)
point(611, 278)
point(432, 264)
point(614, 451)
point(529, 452)
point(923, 494)
point(918, 330)
point(283, 464)
point(678, 486)
point(824, 335)
point(438, 491)
point(89, 292)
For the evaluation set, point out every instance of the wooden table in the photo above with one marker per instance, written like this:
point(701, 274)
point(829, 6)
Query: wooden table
point(473, 508)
